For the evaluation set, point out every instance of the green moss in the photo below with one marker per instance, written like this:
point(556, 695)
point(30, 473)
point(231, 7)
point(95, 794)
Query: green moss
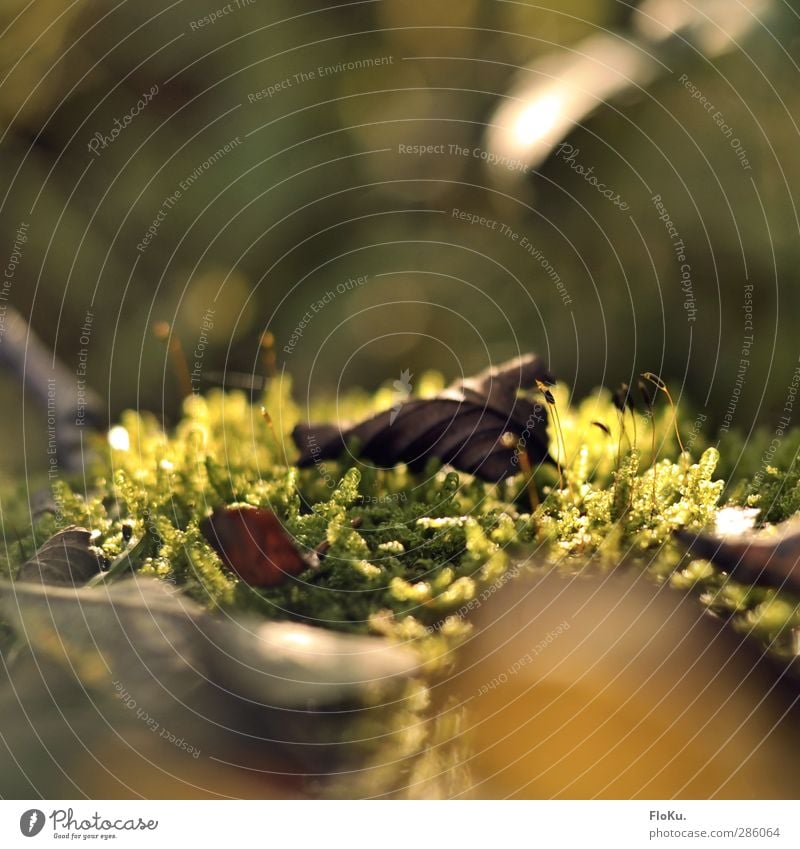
point(409, 556)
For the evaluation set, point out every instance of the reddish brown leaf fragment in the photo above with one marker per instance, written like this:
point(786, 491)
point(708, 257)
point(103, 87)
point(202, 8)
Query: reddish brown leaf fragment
point(252, 542)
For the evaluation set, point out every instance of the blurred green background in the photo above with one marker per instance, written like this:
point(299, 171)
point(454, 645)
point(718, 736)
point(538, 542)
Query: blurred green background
point(313, 191)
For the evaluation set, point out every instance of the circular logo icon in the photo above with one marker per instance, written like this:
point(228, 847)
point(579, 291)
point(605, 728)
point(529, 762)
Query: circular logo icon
point(31, 822)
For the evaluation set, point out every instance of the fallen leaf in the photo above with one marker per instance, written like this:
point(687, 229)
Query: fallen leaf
point(143, 631)
point(463, 426)
point(137, 666)
point(770, 557)
point(66, 558)
point(610, 687)
point(252, 543)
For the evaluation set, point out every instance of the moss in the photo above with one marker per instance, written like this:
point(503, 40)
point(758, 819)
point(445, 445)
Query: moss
point(409, 556)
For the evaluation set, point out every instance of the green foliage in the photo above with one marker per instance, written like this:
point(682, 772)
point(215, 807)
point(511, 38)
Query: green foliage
point(408, 556)
point(771, 479)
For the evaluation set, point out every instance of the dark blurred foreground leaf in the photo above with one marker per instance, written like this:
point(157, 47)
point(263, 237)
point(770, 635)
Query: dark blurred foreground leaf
point(148, 634)
point(95, 666)
point(464, 426)
point(611, 687)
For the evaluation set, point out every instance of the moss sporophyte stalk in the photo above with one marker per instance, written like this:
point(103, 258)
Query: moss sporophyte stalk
point(409, 555)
